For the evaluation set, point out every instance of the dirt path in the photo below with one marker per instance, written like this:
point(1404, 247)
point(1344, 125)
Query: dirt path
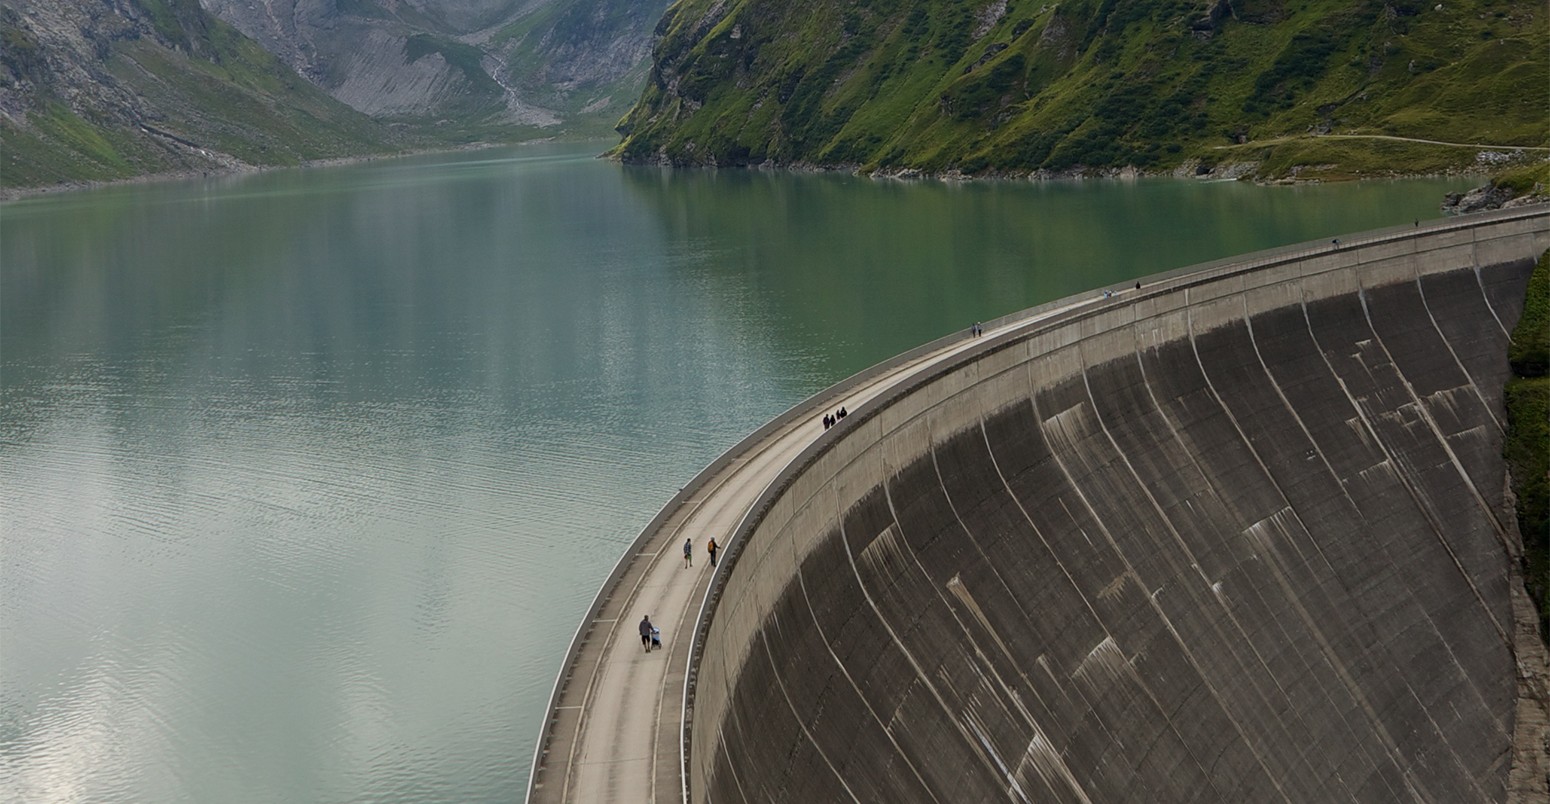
point(1298, 137)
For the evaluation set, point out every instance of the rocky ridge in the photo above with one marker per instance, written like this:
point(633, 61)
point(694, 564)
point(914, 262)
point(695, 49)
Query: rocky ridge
point(110, 90)
point(478, 66)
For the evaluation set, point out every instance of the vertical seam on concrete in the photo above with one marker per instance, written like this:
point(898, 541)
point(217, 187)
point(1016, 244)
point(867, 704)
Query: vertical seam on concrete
point(1065, 770)
point(845, 671)
point(1205, 478)
point(947, 604)
point(1400, 764)
point(1474, 246)
point(1495, 418)
point(1480, 283)
point(1297, 417)
point(990, 564)
point(1458, 467)
point(1066, 573)
point(1193, 562)
point(1152, 603)
point(904, 545)
point(1404, 480)
point(1442, 439)
point(1431, 424)
point(764, 640)
point(910, 657)
point(721, 745)
point(1325, 648)
point(1425, 512)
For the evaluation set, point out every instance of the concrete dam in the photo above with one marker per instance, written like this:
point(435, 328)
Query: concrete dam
point(1239, 535)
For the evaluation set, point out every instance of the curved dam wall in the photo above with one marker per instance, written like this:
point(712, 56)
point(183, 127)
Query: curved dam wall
point(1238, 536)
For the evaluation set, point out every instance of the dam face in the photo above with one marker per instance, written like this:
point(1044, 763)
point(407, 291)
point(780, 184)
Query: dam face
point(1239, 536)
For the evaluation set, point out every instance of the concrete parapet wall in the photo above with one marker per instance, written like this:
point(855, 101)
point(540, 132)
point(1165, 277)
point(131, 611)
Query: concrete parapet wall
point(1238, 536)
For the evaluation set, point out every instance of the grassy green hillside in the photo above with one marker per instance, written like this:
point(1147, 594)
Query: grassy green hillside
point(1024, 85)
point(94, 95)
point(1528, 413)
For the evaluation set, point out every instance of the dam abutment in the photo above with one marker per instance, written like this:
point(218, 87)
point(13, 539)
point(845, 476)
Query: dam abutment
point(1238, 535)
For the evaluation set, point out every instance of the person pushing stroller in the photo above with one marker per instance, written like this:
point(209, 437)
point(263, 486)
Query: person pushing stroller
point(649, 635)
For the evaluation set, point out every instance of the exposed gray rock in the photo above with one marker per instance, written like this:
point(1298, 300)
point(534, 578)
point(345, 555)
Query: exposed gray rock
point(518, 62)
point(1491, 196)
point(103, 90)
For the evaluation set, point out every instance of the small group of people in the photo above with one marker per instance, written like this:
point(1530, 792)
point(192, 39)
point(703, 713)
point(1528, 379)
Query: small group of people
point(710, 547)
point(650, 635)
point(831, 419)
point(976, 330)
point(1109, 294)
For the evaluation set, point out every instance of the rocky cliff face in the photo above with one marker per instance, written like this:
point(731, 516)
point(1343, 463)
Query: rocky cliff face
point(472, 64)
point(94, 90)
point(1027, 86)
point(109, 89)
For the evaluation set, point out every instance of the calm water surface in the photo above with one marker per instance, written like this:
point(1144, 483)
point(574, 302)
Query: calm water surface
point(307, 477)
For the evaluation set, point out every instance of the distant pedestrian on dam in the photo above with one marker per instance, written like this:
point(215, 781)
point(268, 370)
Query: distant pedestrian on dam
point(688, 553)
point(646, 629)
point(712, 548)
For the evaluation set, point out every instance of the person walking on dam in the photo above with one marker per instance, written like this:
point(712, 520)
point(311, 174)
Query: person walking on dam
point(688, 553)
point(645, 632)
point(712, 548)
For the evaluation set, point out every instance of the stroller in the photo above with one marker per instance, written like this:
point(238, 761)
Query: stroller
point(656, 638)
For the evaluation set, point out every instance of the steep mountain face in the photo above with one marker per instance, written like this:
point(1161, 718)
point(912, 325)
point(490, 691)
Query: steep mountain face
point(589, 59)
point(108, 89)
point(464, 69)
point(1022, 86)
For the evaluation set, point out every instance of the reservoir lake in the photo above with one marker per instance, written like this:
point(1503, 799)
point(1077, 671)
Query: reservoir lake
point(308, 476)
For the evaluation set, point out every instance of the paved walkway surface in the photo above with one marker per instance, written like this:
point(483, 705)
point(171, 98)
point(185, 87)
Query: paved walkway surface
point(616, 724)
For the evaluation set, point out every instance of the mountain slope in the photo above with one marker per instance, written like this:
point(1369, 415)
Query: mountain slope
point(1016, 86)
point(98, 91)
point(475, 69)
point(587, 59)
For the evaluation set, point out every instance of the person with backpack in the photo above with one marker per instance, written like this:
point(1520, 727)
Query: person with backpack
point(712, 547)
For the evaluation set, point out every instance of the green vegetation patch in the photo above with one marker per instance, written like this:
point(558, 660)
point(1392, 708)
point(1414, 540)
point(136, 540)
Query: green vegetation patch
point(1530, 349)
point(1525, 178)
point(241, 100)
point(362, 8)
point(1337, 158)
point(1093, 84)
point(466, 58)
point(58, 146)
point(201, 91)
point(1528, 435)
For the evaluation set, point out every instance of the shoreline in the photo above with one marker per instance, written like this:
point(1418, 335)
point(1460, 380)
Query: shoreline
point(1486, 194)
point(1234, 171)
point(1227, 171)
point(10, 194)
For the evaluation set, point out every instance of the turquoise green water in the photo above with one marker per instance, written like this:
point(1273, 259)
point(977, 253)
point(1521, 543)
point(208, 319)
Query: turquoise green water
point(308, 476)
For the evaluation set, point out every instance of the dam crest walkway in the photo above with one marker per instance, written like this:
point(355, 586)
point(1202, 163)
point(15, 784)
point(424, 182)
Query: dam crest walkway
point(617, 724)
